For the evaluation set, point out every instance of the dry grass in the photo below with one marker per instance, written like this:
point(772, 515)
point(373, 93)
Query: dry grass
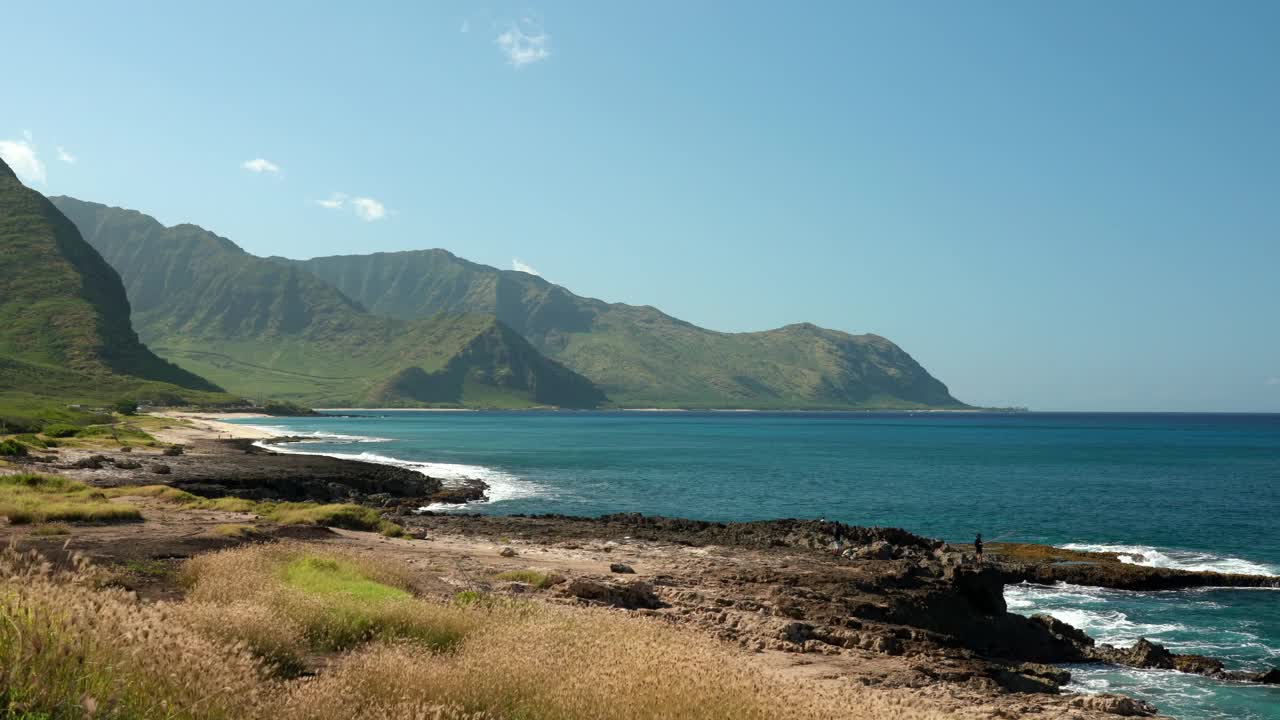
point(335, 600)
point(68, 650)
point(50, 530)
point(571, 664)
point(238, 531)
point(529, 577)
point(28, 498)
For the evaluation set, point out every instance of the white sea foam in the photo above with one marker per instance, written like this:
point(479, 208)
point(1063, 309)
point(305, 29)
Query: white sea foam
point(502, 485)
point(1177, 559)
point(1085, 608)
point(318, 436)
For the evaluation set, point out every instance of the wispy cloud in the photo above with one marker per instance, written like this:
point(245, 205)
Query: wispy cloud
point(520, 266)
point(261, 165)
point(525, 43)
point(365, 208)
point(465, 27)
point(65, 156)
point(335, 201)
point(368, 209)
point(21, 156)
point(1272, 382)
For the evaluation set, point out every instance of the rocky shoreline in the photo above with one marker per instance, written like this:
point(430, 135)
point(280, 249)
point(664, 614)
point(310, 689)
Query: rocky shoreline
point(888, 590)
point(890, 609)
point(239, 467)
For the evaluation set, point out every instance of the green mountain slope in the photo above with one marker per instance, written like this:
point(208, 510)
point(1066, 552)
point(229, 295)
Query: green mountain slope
point(65, 327)
point(267, 329)
point(638, 355)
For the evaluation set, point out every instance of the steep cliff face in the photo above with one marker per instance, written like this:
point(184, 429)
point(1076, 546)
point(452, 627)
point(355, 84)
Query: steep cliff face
point(269, 329)
point(638, 354)
point(61, 304)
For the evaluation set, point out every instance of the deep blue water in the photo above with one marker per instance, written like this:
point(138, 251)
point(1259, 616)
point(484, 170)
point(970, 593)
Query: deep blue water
point(1183, 490)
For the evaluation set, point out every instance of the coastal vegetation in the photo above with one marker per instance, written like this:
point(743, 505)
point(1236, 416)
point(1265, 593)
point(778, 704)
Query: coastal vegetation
point(27, 498)
point(348, 516)
point(256, 617)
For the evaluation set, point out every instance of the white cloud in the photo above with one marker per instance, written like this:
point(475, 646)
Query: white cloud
point(335, 201)
point(21, 156)
point(520, 266)
point(1273, 382)
point(524, 48)
point(65, 156)
point(260, 165)
point(368, 209)
point(465, 27)
point(365, 208)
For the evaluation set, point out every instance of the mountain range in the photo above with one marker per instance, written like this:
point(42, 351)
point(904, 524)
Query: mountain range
point(65, 327)
point(264, 329)
point(428, 327)
point(639, 355)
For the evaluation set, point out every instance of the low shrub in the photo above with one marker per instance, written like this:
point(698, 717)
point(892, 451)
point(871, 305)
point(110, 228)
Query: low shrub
point(61, 430)
point(12, 448)
point(173, 450)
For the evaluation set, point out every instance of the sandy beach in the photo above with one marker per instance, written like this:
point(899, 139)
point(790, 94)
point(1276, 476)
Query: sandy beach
point(207, 426)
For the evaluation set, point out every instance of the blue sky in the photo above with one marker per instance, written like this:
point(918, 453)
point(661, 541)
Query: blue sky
point(1069, 205)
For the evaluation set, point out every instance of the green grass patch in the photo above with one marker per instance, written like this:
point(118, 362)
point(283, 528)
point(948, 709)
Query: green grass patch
point(148, 568)
point(331, 576)
point(529, 577)
point(29, 498)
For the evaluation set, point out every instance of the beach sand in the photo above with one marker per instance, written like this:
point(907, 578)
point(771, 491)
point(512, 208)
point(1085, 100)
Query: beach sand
point(206, 426)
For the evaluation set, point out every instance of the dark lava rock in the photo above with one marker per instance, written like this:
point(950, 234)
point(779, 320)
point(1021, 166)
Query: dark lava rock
point(1270, 677)
point(173, 450)
point(160, 469)
point(1062, 630)
point(93, 462)
point(622, 568)
point(1197, 664)
point(984, 588)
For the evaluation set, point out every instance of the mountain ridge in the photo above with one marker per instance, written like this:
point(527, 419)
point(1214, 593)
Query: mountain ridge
point(639, 354)
point(269, 329)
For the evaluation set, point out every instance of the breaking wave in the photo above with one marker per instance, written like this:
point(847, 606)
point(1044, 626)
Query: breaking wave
point(1177, 559)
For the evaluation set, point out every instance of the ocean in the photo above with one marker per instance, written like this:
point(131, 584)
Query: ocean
point(1197, 491)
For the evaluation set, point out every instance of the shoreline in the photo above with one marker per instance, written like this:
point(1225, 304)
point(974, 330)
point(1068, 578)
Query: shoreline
point(207, 426)
point(770, 586)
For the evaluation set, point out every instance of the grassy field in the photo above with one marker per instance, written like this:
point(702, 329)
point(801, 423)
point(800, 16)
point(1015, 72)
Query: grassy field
point(254, 617)
point(28, 498)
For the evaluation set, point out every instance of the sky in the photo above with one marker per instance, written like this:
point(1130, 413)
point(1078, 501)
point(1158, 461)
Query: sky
point(1064, 206)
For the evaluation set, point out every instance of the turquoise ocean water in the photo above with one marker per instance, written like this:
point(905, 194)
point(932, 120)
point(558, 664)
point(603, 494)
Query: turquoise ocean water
point(1180, 490)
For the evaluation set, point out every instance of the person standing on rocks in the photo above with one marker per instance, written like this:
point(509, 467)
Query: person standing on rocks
point(977, 547)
